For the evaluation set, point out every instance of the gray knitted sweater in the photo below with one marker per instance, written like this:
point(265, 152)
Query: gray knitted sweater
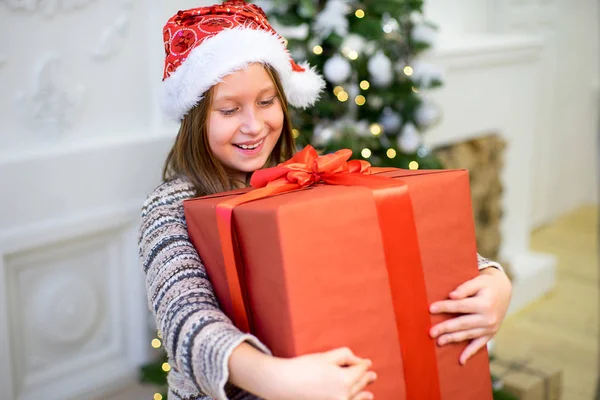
point(197, 336)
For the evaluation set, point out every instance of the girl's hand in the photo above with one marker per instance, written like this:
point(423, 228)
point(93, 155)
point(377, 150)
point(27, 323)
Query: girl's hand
point(483, 301)
point(335, 375)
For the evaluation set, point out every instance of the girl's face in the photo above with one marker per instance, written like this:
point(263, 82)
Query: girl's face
point(246, 120)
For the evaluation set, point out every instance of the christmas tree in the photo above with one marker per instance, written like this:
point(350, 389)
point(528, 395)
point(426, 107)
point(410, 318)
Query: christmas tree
point(375, 102)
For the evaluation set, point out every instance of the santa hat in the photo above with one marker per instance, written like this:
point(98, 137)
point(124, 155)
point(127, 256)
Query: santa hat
point(203, 45)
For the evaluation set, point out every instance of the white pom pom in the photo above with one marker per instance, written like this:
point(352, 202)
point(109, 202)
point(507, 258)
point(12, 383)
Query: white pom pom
point(374, 101)
point(409, 140)
point(424, 33)
point(390, 120)
point(380, 68)
point(337, 69)
point(427, 115)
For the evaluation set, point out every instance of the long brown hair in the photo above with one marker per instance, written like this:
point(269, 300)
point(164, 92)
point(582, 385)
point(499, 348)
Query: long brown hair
point(191, 156)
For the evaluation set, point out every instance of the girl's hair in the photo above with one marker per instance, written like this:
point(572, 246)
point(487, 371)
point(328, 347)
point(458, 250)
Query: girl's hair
point(191, 156)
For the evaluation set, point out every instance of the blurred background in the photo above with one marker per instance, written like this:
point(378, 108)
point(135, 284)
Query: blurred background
point(508, 89)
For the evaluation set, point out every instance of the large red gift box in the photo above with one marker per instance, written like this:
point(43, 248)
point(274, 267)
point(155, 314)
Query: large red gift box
point(330, 253)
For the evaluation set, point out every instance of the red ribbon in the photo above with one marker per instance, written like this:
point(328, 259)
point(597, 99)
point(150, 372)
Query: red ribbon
point(400, 244)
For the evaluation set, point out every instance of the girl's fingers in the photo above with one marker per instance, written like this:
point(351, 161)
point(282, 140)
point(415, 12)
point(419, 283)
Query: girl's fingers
point(469, 288)
point(363, 396)
point(461, 336)
point(366, 380)
point(470, 305)
point(473, 348)
point(462, 323)
point(343, 357)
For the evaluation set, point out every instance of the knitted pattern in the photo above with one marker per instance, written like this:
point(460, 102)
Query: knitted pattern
point(197, 336)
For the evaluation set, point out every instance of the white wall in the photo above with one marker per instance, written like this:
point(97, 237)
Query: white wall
point(566, 156)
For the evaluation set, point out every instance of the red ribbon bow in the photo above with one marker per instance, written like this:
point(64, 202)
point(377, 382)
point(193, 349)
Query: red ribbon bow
point(307, 168)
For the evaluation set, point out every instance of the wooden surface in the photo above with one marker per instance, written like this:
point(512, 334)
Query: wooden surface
point(562, 328)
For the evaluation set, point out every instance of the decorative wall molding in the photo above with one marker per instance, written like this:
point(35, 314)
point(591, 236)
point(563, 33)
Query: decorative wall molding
point(54, 103)
point(113, 36)
point(48, 8)
point(71, 308)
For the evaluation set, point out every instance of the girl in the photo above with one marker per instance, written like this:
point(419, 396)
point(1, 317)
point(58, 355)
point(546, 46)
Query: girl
point(228, 78)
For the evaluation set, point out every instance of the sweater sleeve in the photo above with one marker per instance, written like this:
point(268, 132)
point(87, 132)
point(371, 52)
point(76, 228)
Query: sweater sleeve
point(485, 263)
point(198, 337)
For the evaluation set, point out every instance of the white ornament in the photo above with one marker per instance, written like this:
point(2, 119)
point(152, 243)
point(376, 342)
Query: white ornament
point(298, 53)
point(424, 33)
point(409, 140)
point(332, 19)
point(337, 69)
point(380, 68)
point(299, 32)
point(322, 135)
point(354, 42)
point(425, 73)
point(361, 128)
point(370, 48)
point(390, 120)
point(374, 101)
point(427, 115)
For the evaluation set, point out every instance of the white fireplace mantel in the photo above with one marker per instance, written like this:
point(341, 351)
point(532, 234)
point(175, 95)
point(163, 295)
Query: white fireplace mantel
point(492, 84)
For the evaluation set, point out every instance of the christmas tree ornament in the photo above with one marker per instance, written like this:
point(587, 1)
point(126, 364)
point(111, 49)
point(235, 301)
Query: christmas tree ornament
point(390, 120)
point(425, 73)
point(380, 68)
point(337, 69)
point(322, 135)
point(389, 24)
point(427, 114)
point(409, 139)
point(332, 19)
point(353, 42)
point(375, 102)
point(424, 33)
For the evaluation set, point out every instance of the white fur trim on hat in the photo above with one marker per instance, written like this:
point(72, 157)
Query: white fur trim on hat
point(227, 52)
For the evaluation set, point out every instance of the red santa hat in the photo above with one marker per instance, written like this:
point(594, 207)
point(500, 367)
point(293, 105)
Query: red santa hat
point(203, 45)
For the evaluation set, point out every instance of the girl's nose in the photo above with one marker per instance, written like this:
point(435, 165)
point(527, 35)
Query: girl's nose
point(252, 124)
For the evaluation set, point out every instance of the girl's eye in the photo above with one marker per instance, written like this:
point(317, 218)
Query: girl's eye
point(267, 103)
point(230, 111)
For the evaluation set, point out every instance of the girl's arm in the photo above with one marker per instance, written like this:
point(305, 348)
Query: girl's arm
point(198, 337)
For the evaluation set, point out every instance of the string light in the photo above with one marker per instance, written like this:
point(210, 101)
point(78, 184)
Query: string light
point(157, 396)
point(166, 367)
point(408, 71)
point(360, 100)
point(337, 90)
point(295, 133)
point(366, 153)
point(375, 129)
point(359, 13)
point(342, 96)
point(364, 85)
point(353, 55)
point(414, 89)
point(156, 343)
point(391, 153)
point(413, 165)
point(318, 50)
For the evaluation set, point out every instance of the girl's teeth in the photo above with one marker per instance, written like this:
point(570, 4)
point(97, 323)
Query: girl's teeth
point(249, 147)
